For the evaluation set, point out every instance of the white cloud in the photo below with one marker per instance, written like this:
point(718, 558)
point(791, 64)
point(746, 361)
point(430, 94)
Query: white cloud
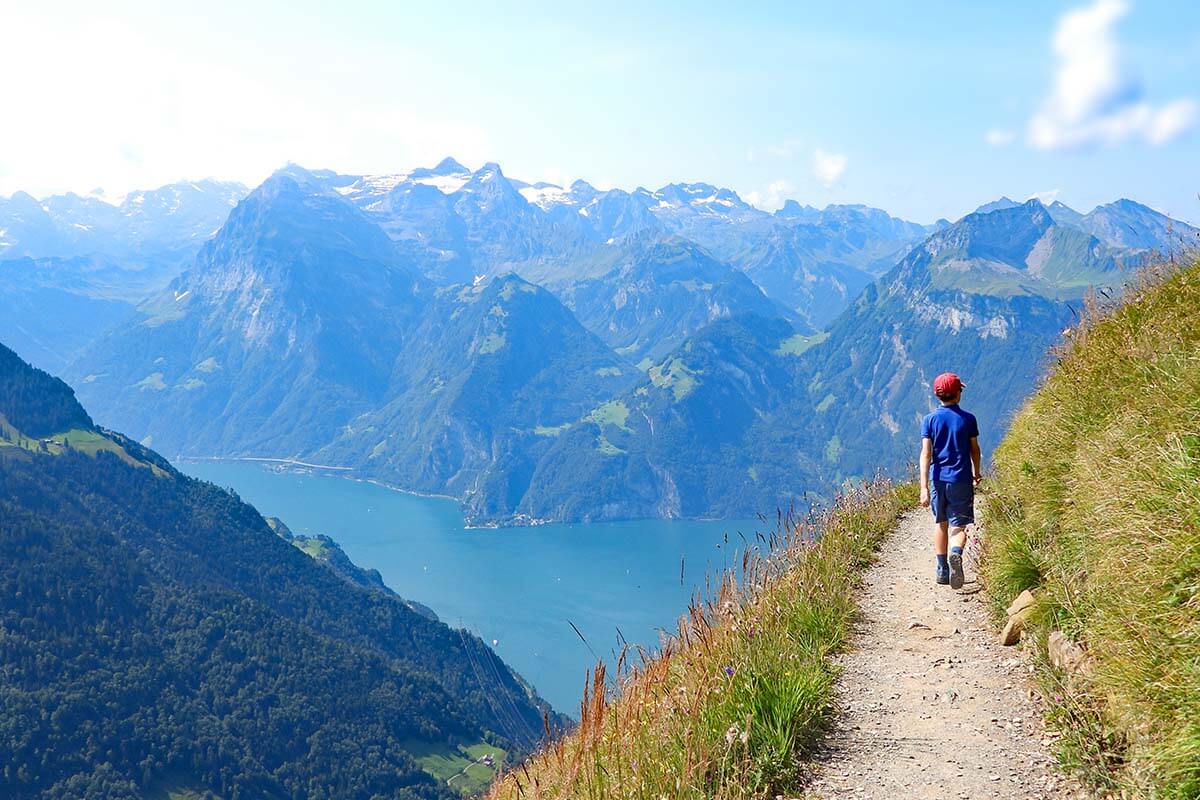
point(770, 198)
point(1095, 99)
point(1047, 197)
point(999, 138)
point(828, 168)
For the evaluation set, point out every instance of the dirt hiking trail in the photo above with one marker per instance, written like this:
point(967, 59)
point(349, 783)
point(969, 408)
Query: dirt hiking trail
point(930, 704)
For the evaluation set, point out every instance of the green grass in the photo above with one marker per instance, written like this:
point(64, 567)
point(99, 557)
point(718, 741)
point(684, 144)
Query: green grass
point(673, 374)
point(833, 449)
point(551, 430)
point(460, 768)
point(492, 343)
point(613, 412)
point(77, 440)
point(733, 704)
point(1096, 505)
point(313, 547)
point(795, 345)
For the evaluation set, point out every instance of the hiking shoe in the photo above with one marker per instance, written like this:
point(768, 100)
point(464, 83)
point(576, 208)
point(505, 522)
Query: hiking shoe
point(956, 570)
point(943, 575)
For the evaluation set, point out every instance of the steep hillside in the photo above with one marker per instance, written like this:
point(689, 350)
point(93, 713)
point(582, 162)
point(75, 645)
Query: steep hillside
point(817, 262)
point(1095, 508)
point(684, 441)
point(1134, 226)
point(493, 366)
point(179, 643)
point(287, 326)
point(47, 325)
point(659, 291)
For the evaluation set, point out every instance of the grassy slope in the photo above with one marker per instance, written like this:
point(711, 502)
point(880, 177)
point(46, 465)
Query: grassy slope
point(77, 439)
point(735, 701)
point(1097, 503)
point(462, 768)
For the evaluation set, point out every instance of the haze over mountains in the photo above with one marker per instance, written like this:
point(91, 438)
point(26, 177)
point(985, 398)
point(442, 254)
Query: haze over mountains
point(544, 352)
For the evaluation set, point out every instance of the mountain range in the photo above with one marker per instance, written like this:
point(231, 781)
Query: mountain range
point(541, 352)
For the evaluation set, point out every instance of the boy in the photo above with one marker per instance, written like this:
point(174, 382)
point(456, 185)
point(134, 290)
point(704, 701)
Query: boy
point(950, 459)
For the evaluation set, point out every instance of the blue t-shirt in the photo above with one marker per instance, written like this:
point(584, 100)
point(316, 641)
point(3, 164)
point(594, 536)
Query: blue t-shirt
point(951, 430)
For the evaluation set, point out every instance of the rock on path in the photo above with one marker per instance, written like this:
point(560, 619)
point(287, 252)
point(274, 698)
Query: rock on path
point(930, 704)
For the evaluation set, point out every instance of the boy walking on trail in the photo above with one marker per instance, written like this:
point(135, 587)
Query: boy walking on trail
point(950, 472)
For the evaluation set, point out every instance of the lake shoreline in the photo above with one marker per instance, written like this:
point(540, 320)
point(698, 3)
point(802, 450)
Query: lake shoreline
point(522, 588)
point(336, 472)
point(346, 473)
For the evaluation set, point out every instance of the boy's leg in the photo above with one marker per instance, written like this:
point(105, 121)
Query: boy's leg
point(957, 536)
point(955, 559)
point(941, 538)
point(961, 513)
point(941, 530)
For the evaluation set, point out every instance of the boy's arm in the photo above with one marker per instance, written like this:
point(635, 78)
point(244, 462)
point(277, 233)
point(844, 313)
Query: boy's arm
point(926, 457)
point(976, 459)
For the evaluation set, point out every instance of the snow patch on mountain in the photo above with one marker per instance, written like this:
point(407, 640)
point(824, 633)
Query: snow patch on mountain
point(547, 195)
point(447, 184)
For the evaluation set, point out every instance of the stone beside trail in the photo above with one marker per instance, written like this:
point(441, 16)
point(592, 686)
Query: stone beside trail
point(930, 704)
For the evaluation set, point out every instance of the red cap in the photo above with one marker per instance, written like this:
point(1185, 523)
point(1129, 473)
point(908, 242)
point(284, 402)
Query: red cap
point(947, 385)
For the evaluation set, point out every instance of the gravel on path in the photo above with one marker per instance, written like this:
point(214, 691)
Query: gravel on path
point(930, 705)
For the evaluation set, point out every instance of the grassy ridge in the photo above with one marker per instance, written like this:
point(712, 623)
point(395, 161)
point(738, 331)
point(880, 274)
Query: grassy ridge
point(1097, 503)
point(735, 700)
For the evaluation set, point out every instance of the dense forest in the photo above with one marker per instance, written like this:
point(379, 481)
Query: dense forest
point(34, 402)
point(156, 631)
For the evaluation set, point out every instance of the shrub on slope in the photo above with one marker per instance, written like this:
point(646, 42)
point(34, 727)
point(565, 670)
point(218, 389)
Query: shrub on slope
point(735, 701)
point(1097, 503)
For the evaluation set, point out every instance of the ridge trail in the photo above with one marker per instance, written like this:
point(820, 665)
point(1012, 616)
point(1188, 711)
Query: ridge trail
point(930, 704)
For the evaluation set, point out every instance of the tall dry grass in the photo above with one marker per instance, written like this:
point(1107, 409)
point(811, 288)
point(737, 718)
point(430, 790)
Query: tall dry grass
point(732, 703)
point(1097, 504)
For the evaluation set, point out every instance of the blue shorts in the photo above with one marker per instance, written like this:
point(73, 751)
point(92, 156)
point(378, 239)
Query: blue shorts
point(952, 502)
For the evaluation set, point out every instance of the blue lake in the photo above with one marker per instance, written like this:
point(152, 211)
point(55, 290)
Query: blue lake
point(521, 587)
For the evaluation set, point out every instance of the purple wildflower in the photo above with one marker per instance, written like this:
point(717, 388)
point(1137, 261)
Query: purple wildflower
point(729, 671)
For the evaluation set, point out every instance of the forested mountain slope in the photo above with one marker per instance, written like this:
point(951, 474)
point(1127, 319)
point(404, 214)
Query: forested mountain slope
point(158, 633)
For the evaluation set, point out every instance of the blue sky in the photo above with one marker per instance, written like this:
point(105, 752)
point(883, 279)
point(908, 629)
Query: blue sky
point(926, 110)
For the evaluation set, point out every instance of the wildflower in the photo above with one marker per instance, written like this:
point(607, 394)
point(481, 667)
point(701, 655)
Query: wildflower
point(729, 672)
point(731, 734)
